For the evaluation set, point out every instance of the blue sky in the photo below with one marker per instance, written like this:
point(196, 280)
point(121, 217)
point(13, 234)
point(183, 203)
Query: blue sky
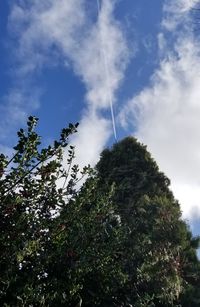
point(66, 61)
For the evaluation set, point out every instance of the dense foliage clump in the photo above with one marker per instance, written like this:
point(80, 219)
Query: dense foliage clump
point(160, 252)
point(117, 240)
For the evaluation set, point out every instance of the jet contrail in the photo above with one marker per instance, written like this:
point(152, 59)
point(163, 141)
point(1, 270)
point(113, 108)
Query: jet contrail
point(107, 78)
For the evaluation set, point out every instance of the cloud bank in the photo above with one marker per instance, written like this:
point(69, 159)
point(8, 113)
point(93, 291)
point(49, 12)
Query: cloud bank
point(166, 113)
point(51, 32)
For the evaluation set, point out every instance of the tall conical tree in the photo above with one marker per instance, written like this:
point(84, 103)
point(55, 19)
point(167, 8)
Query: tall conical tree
point(158, 243)
point(130, 166)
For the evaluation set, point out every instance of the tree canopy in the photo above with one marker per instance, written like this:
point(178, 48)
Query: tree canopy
point(115, 240)
point(161, 252)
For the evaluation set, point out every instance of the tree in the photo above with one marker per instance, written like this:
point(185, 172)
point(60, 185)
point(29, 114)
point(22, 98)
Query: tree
point(29, 196)
point(56, 242)
point(116, 240)
point(159, 251)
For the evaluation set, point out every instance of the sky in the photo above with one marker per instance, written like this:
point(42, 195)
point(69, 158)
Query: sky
point(119, 68)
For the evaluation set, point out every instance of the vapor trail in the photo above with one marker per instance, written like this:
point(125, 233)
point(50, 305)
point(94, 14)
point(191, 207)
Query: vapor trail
point(107, 78)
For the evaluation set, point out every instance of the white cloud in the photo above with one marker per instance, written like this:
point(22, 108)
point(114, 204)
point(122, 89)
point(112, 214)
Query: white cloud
point(166, 114)
point(176, 13)
point(189, 196)
point(7, 151)
point(14, 107)
point(39, 26)
point(93, 133)
point(105, 37)
point(63, 31)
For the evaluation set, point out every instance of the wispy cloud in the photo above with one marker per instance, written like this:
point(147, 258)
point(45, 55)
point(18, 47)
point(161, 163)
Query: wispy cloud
point(52, 32)
point(165, 115)
point(176, 13)
point(14, 107)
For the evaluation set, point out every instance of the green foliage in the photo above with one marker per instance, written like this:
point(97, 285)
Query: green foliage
point(56, 242)
point(29, 195)
point(159, 249)
point(116, 239)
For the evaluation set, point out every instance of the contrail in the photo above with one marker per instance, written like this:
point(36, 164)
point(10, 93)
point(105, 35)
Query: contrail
point(107, 78)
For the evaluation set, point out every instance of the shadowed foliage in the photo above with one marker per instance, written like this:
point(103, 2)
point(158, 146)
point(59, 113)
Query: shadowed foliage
point(115, 240)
